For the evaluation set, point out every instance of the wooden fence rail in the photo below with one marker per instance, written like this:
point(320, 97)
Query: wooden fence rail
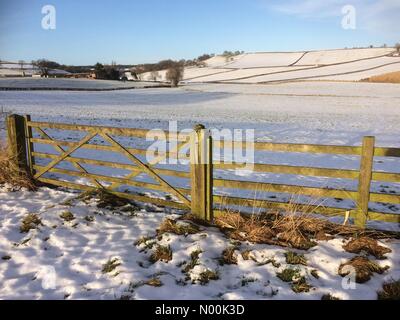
point(201, 192)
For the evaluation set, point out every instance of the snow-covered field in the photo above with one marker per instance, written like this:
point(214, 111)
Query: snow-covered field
point(337, 65)
point(304, 112)
point(66, 259)
point(60, 83)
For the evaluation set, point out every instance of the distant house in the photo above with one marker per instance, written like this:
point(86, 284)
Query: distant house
point(128, 75)
point(57, 73)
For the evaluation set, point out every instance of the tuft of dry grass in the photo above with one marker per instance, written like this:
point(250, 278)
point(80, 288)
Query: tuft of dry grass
point(238, 227)
point(161, 253)
point(171, 226)
point(208, 275)
point(294, 227)
point(363, 267)
point(295, 259)
point(29, 222)
point(390, 291)
point(315, 273)
point(246, 254)
point(154, 282)
point(368, 245)
point(228, 256)
point(148, 242)
point(288, 274)
point(67, 216)
point(299, 282)
point(10, 173)
point(194, 261)
point(107, 200)
point(110, 265)
point(392, 77)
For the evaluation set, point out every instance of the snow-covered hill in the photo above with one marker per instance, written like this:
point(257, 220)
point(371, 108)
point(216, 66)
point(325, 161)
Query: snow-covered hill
point(343, 64)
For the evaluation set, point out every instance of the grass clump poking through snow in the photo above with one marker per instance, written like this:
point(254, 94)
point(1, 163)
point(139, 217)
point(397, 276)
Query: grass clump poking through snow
point(288, 274)
point(363, 267)
point(67, 216)
point(161, 253)
point(206, 276)
point(241, 228)
point(10, 173)
point(110, 265)
point(299, 283)
point(194, 261)
point(390, 291)
point(155, 282)
point(229, 256)
point(368, 245)
point(294, 258)
point(106, 199)
point(29, 222)
point(171, 226)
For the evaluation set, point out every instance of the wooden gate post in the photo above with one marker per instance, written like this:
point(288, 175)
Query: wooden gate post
point(17, 140)
point(201, 173)
point(364, 183)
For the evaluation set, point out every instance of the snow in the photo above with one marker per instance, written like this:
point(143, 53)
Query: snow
point(64, 260)
point(305, 112)
point(268, 59)
point(17, 66)
point(343, 65)
point(342, 55)
point(238, 74)
point(61, 83)
point(301, 112)
point(221, 61)
point(330, 71)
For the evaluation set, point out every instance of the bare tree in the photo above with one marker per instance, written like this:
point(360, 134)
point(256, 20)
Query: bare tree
point(175, 74)
point(397, 46)
point(43, 66)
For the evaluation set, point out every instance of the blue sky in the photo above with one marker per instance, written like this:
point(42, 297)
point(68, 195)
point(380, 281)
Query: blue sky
point(139, 31)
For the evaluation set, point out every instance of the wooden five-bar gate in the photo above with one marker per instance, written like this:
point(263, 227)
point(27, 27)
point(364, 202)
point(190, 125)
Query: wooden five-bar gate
point(199, 195)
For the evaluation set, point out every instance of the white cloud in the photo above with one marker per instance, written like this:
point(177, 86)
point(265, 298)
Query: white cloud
point(380, 16)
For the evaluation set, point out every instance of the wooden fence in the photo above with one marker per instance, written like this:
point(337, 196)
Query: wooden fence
point(200, 196)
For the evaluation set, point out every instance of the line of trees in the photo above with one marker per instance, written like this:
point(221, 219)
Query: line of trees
point(109, 72)
point(45, 65)
point(169, 63)
point(106, 72)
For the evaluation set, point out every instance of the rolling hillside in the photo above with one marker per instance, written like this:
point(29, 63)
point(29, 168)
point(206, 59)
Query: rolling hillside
point(270, 67)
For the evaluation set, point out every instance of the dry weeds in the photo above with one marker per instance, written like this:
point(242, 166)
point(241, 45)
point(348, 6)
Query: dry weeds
point(392, 77)
point(30, 221)
point(171, 226)
point(229, 256)
point(366, 244)
point(363, 267)
point(10, 173)
point(161, 253)
point(390, 291)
